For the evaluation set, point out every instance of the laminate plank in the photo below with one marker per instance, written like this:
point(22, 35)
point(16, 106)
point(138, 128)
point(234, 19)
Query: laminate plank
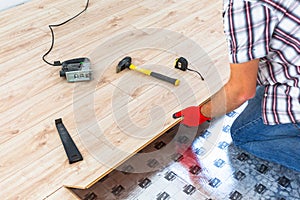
point(47, 174)
point(17, 67)
point(33, 59)
point(19, 13)
point(106, 7)
point(17, 47)
point(176, 12)
point(28, 24)
point(63, 193)
point(34, 110)
point(65, 31)
point(194, 26)
point(25, 34)
point(13, 97)
point(42, 138)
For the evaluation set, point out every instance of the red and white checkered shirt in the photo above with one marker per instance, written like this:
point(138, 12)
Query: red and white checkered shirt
point(269, 30)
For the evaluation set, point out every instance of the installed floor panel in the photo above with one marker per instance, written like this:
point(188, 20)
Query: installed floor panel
point(206, 167)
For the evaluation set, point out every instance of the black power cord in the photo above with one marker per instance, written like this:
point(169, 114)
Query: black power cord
point(58, 63)
point(196, 72)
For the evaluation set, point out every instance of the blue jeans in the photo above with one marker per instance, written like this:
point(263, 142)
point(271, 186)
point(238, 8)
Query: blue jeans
point(275, 143)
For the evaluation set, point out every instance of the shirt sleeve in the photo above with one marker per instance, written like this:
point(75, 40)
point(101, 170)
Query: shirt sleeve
point(247, 27)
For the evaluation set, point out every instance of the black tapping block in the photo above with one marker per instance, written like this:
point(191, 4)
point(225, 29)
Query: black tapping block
point(70, 147)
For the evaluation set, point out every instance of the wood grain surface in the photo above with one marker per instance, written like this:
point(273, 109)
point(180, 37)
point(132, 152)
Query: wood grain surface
point(115, 115)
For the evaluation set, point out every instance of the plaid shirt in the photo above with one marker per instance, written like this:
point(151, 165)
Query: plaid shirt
point(269, 30)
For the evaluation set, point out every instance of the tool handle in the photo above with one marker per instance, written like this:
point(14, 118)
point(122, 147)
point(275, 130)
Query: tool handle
point(70, 147)
point(165, 78)
point(139, 69)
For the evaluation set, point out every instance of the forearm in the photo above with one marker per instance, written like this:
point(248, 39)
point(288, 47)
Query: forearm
point(225, 100)
point(240, 88)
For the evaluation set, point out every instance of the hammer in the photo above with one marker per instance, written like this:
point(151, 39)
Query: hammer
point(126, 63)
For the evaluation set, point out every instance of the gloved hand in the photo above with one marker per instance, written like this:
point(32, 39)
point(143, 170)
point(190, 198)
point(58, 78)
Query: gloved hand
point(191, 116)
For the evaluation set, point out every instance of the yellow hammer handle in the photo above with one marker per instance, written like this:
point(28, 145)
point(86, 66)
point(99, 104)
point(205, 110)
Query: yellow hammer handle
point(156, 75)
point(144, 71)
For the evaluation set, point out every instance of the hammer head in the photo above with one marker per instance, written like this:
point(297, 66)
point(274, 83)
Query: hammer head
point(123, 64)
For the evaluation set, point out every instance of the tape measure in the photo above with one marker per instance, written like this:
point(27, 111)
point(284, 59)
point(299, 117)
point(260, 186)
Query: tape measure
point(182, 64)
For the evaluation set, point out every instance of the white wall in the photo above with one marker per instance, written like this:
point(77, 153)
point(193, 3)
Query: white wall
point(5, 4)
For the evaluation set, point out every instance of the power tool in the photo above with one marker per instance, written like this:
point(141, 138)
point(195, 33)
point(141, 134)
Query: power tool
point(74, 70)
point(77, 69)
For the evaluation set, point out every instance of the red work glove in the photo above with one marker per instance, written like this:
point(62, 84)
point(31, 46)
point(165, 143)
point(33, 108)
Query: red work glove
point(191, 116)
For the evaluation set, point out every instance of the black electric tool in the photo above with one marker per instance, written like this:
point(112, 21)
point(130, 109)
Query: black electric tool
point(75, 70)
point(70, 147)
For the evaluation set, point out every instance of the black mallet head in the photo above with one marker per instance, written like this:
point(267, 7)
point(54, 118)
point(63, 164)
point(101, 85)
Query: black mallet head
point(123, 64)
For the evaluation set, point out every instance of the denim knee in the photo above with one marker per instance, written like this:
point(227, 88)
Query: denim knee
point(234, 131)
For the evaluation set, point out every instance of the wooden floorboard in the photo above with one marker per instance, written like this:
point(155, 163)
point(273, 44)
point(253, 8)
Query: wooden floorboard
point(64, 193)
point(33, 163)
